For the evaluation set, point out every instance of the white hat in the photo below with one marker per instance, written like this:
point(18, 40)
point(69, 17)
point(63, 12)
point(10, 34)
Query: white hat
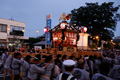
point(69, 63)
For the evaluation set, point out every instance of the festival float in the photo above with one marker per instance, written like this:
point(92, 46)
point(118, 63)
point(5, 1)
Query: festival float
point(66, 37)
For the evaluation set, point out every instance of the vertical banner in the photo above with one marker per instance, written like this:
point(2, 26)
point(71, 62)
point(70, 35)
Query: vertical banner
point(48, 27)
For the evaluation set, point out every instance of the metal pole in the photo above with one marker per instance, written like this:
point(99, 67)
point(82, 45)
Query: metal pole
point(45, 40)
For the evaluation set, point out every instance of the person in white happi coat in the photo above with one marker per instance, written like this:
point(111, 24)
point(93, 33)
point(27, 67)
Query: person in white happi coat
point(34, 69)
point(79, 72)
point(48, 71)
point(56, 70)
point(7, 66)
point(16, 63)
point(25, 67)
point(96, 64)
point(115, 72)
point(4, 57)
point(90, 64)
point(86, 67)
point(99, 76)
point(114, 61)
point(104, 70)
point(118, 58)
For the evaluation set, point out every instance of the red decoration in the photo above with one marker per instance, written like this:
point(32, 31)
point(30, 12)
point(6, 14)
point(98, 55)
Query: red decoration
point(84, 29)
point(45, 30)
point(68, 16)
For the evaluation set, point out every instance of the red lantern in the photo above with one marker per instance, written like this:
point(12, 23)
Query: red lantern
point(84, 29)
point(68, 16)
point(45, 30)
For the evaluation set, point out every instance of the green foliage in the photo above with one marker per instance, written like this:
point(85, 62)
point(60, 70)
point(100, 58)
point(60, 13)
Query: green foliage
point(93, 46)
point(117, 46)
point(108, 45)
point(100, 20)
point(32, 41)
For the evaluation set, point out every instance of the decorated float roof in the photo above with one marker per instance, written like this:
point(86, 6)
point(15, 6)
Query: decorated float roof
point(68, 27)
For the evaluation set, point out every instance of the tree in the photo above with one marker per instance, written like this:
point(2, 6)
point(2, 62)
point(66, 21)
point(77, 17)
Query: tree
point(100, 20)
point(93, 46)
point(117, 46)
point(32, 41)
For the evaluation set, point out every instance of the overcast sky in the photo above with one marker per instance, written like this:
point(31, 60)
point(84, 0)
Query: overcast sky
point(33, 12)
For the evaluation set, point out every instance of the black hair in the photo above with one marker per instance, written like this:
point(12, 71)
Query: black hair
point(71, 57)
point(86, 56)
point(59, 55)
point(19, 54)
point(69, 68)
point(36, 59)
point(38, 56)
point(112, 56)
point(104, 68)
point(95, 56)
point(64, 56)
point(44, 56)
point(100, 58)
point(48, 58)
point(16, 55)
point(27, 58)
point(80, 56)
point(57, 61)
point(90, 57)
point(104, 55)
point(4, 51)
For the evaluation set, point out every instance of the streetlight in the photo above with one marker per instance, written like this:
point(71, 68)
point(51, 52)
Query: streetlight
point(91, 37)
point(97, 38)
point(111, 40)
point(8, 32)
point(22, 41)
point(23, 30)
point(74, 24)
point(37, 31)
point(8, 28)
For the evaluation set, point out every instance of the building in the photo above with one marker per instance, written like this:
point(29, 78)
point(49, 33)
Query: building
point(117, 40)
point(11, 33)
point(39, 45)
point(118, 37)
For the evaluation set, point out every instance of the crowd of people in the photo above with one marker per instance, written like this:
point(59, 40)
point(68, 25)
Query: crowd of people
point(22, 49)
point(61, 67)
